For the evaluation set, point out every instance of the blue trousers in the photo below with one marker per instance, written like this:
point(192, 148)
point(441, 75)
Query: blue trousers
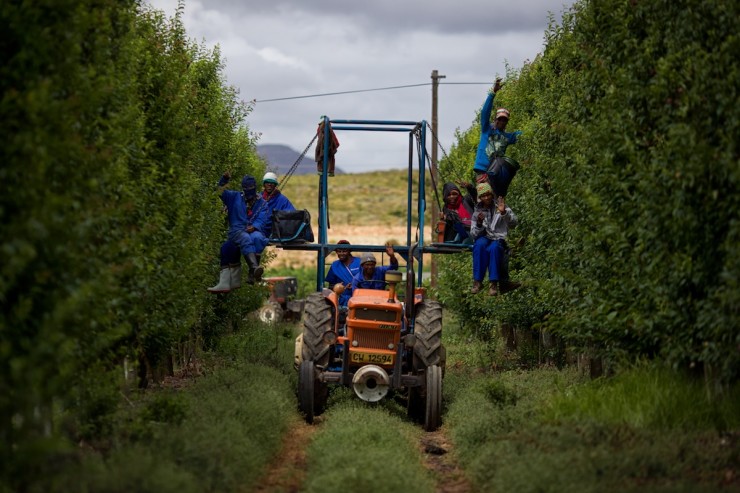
point(230, 254)
point(489, 255)
point(244, 243)
point(501, 180)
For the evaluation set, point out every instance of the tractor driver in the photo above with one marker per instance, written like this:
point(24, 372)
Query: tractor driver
point(370, 276)
point(342, 271)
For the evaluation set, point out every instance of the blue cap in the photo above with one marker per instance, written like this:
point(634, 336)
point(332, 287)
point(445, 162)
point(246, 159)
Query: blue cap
point(249, 185)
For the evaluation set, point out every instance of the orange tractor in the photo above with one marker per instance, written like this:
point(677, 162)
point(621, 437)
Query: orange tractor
point(374, 351)
point(381, 343)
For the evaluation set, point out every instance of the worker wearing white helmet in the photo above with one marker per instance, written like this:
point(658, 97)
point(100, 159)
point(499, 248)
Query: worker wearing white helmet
point(273, 197)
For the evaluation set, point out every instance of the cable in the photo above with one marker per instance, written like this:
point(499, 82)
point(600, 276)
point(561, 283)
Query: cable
point(367, 90)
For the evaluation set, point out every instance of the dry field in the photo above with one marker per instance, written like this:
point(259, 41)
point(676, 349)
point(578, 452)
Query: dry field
point(357, 235)
point(364, 208)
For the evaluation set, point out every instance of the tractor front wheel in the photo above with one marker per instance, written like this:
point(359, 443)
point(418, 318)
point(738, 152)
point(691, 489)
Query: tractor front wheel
point(433, 407)
point(306, 381)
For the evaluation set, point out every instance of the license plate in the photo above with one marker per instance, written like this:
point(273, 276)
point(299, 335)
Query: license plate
point(378, 359)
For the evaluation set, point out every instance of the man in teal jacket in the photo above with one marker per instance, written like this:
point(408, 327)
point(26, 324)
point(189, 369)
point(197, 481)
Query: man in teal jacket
point(489, 160)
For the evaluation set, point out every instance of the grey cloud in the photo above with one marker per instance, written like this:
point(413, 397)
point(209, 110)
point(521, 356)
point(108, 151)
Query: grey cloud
point(457, 16)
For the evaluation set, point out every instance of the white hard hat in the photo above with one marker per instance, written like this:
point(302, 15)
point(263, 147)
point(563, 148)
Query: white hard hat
point(270, 177)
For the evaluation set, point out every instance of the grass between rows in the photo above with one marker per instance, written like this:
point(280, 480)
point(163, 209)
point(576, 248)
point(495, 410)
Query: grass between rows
point(366, 448)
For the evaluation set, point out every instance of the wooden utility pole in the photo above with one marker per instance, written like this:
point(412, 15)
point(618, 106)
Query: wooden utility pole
point(435, 206)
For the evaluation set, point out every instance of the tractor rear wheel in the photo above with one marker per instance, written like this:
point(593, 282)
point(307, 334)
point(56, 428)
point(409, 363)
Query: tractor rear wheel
point(318, 319)
point(433, 407)
point(428, 349)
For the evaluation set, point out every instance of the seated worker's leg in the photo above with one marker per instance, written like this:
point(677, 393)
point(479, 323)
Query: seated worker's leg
point(462, 233)
point(247, 248)
point(505, 284)
point(259, 241)
point(496, 252)
point(480, 262)
point(229, 252)
point(501, 181)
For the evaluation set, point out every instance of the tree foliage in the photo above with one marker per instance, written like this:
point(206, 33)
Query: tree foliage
point(628, 194)
point(116, 128)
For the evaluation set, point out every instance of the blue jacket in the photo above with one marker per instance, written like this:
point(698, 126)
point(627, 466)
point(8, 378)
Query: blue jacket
point(236, 208)
point(259, 216)
point(277, 202)
point(378, 279)
point(493, 142)
point(338, 272)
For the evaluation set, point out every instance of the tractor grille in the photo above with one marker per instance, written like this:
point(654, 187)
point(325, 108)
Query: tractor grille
point(375, 314)
point(373, 339)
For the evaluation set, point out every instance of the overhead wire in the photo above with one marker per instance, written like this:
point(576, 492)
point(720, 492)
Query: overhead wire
point(366, 90)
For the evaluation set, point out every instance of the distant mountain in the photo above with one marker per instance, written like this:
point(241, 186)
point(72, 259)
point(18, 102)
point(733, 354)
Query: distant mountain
point(280, 158)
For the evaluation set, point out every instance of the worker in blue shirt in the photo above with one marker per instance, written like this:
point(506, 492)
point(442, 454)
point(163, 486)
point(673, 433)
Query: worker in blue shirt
point(342, 271)
point(370, 276)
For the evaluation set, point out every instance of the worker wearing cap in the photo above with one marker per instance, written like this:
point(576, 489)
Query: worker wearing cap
point(343, 270)
point(273, 197)
point(493, 143)
point(370, 276)
point(248, 220)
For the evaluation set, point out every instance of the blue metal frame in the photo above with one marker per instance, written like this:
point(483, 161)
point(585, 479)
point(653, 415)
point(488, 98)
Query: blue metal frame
point(324, 249)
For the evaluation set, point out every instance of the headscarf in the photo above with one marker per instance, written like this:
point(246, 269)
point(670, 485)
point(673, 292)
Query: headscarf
point(482, 188)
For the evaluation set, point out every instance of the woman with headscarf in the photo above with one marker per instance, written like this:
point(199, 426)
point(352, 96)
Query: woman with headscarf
point(458, 211)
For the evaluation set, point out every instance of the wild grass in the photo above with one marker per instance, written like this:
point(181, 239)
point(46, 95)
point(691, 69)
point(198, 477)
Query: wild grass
point(546, 430)
point(651, 397)
point(216, 432)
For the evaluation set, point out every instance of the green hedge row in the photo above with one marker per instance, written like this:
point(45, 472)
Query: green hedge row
point(115, 127)
point(628, 193)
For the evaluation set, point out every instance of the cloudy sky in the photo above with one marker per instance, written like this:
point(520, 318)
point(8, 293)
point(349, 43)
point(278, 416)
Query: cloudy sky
point(293, 48)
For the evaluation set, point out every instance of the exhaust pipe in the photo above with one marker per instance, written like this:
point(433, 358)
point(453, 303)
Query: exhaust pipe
point(371, 383)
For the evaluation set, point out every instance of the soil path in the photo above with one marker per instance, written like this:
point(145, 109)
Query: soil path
point(287, 471)
point(439, 459)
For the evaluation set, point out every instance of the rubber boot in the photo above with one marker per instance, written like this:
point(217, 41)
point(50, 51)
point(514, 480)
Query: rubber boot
point(236, 276)
point(224, 281)
point(255, 269)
